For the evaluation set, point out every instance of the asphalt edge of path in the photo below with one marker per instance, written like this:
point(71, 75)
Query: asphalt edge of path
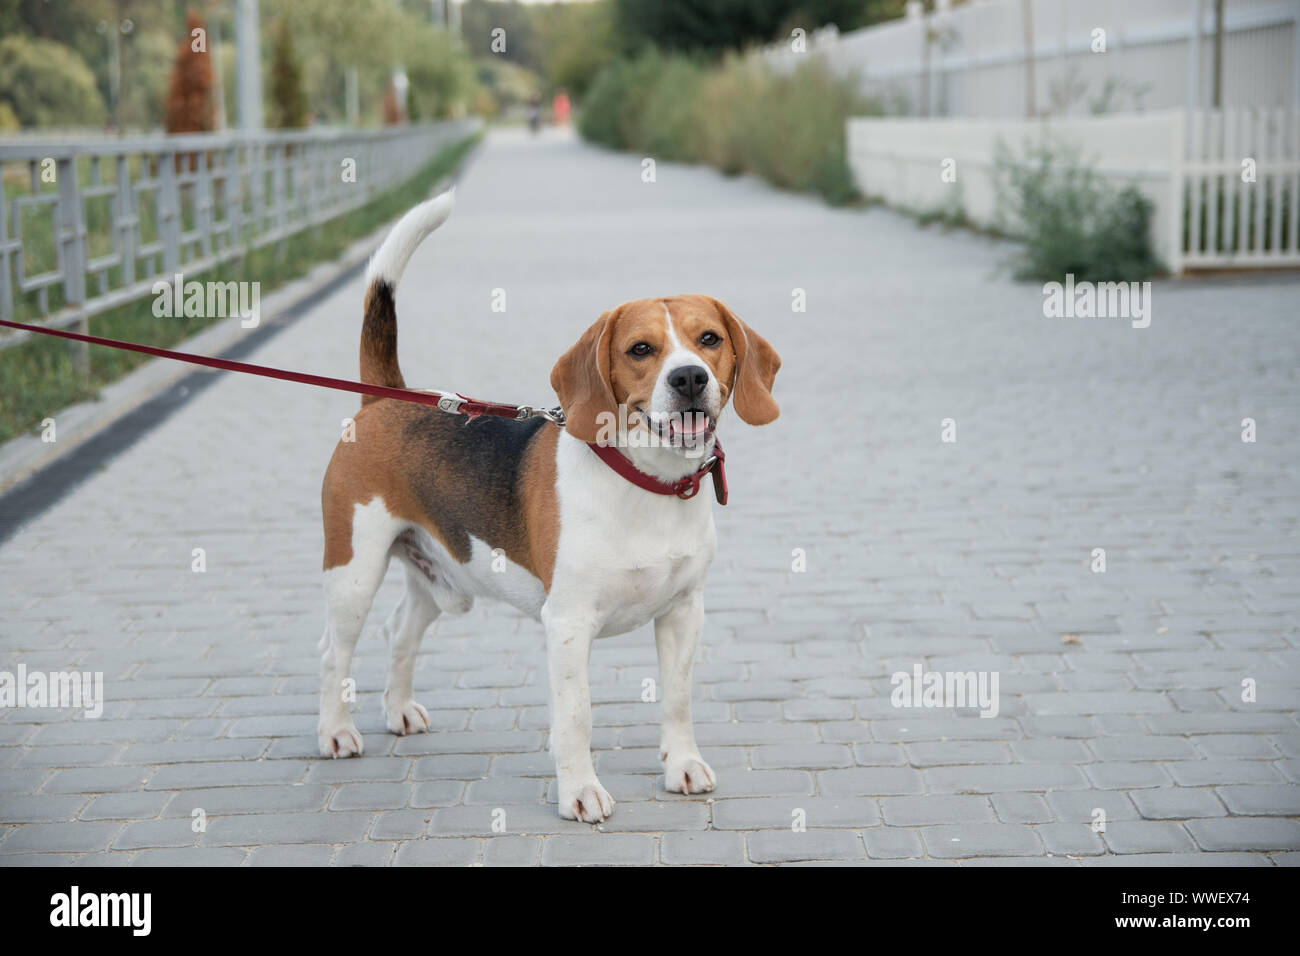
point(45, 486)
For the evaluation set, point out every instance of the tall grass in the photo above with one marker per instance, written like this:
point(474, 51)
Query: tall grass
point(37, 377)
point(738, 115)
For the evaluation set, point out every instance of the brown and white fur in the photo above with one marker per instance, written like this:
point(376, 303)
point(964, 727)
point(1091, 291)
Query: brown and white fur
point(526, 513)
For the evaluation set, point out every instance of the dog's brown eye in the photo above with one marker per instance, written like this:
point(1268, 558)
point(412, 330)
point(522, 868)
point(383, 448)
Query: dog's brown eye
point(641, 349)
point(710, 339)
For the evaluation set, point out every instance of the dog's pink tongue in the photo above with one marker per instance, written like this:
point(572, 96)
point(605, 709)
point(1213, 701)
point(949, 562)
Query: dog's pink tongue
point(692, 424)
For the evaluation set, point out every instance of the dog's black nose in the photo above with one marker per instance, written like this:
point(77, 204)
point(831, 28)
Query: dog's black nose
point(689, 380)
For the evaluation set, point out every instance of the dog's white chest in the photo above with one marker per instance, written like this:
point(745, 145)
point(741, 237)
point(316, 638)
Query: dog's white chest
point(627, 554)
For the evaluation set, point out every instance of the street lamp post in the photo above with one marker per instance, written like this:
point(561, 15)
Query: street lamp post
point(114, 32)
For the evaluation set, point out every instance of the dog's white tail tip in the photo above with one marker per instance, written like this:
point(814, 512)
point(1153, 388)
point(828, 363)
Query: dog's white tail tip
point(388, 263)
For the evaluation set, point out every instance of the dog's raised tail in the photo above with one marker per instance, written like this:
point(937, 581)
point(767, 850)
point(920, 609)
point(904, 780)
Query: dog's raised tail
point(379, 329)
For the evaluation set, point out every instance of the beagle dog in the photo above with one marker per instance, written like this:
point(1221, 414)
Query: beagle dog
point(529, 513)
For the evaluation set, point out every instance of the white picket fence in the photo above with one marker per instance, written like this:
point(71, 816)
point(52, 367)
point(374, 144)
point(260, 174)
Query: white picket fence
point(1224, 185)
point(1242, 189)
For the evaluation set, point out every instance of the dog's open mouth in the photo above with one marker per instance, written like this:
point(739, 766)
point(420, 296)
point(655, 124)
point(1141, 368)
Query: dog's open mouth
point(688, 428)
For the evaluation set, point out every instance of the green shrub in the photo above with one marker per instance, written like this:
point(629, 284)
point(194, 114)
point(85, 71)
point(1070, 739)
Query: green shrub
point(739, 116)
point(670, 121)
point(612, 110)
point(1071, 221)
point(794, 135)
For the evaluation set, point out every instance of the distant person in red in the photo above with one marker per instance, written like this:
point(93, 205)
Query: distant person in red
point(560, 108)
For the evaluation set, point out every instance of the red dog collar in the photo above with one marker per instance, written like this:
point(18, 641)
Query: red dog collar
point(687, 487)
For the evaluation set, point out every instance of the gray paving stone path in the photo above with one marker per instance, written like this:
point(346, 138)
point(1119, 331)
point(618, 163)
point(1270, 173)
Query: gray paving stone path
point(1121, 693)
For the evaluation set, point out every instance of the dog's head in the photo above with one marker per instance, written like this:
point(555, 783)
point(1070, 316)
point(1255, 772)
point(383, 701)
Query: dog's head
point(672, 364)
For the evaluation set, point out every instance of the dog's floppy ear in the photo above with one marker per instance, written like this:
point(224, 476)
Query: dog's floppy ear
point(756, 366)
point(581, 380)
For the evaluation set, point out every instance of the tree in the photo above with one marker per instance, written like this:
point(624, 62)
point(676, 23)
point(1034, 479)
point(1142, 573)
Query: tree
point(373, 37)
point(716, 25)
point(46, 84)
point(481, 19)
point(393, 113)
point(577, 39)
point(288, 101)
point(188, 107)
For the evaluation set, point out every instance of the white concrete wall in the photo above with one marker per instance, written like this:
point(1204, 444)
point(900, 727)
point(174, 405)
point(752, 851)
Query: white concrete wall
point(900, 161)
point(979, 54)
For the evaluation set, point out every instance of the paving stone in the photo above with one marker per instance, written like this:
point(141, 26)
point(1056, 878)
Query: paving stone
point(365, 854)
point(776, 813)
point(888, 843)
point(305, 854)
point(869, 782)
point(43, 808)
point(255, 829)
point(1177, 803)
point(1239, 833)
point(225, 801)
point(1146, 836)
point(453, 766)
point(801, 757)
point(478, 821)
point(784, 846)
point(191, 856)
point(1253, 800)
point(1119, 775)
point(505, 790)
point(512, 851)
point(747, 783)
point(94, 779)
point(1001, 779)
point(123, 806)
point(980, 839)
point(1209, 773)
point(950, 752)
point(365, 769)
point(371, 796)
point(438, 853)
point(657, 816)
point(1236, 747)
point(1021, 808)
point(701, 849)
point(1070, 839)
point(1133, 747)
point(206, 775)
point(59, 838)
point(1081, 805)
point(396, 825)
point(603, 849)
point(932, 809)
point(437, 793)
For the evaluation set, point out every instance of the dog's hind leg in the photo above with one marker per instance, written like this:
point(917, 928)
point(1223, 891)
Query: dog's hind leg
point(349, 591)
point(403, 631)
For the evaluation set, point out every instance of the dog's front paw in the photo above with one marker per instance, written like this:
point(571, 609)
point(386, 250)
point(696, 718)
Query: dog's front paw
point(407, 718)
point(586, 800)
point(687, 773)
point(339, 740)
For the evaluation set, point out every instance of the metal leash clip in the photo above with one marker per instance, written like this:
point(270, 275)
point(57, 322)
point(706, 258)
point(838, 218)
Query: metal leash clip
point(555, 415)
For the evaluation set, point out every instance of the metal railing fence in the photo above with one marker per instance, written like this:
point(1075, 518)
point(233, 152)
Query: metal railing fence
point(90, 224)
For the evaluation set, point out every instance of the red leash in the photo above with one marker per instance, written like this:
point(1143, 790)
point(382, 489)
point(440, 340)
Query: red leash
point(455, 404)
point(448, 403)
